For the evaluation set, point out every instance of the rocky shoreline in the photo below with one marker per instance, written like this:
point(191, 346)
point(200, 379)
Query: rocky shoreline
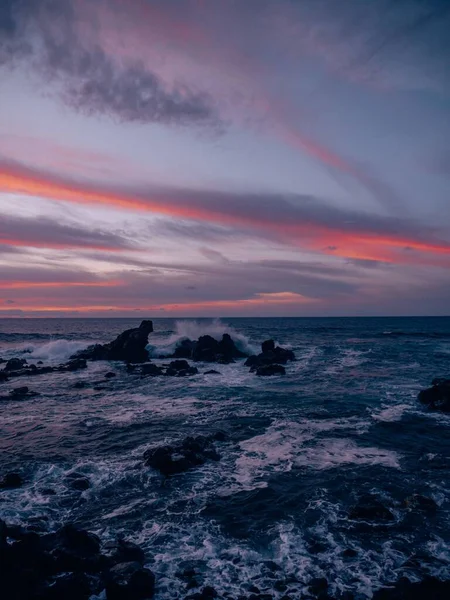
point(73, 564)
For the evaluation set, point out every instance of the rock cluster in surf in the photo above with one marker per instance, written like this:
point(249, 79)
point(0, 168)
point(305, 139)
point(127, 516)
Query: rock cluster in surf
point(70, 564)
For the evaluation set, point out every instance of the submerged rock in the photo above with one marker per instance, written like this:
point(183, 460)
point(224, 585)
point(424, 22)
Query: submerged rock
point(270, 355)
point(430, 588)
point(369, 508)
point(15, 364)
point(212, 372)
point(192, 452)
point(22, 392)
point(437, 397)
point(419, 502)
point(130, 581)
point(268, 370)
point(129, 346)
point(77, 481)
point(11, 481)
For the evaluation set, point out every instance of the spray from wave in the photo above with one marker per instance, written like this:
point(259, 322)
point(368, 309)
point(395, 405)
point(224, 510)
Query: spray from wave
point(192, 330)
point(53, 352)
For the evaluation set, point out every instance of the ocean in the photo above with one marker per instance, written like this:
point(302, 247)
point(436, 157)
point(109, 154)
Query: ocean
point(273, 513)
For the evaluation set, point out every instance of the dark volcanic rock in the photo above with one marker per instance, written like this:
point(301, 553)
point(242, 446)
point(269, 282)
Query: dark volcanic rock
point(10, 481)
point(269, 370)
point(15, 364)
point(419, 502)
point(110, 375)
point(68, 565)
point(3, 376)
point(369, 508)
point(22, 392)
point(129, 346)
point(77, 481)
point(73, 365)
point(181, 368)
point(123, 551)
point(212, 372)
point(129, 581)
point(437, 397)
point(192, 452)
point(208, 349)
point(430, 587)
point(270, 355)
point(151, 369)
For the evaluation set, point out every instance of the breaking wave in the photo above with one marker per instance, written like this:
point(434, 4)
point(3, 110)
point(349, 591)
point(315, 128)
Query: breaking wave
point(192, 330)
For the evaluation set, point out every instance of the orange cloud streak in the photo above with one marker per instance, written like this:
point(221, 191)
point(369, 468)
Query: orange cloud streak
point(18, 285)
point(260, 300)
point(313, 236)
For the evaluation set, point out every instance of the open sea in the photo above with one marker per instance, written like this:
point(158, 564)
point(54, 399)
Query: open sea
point(273, 512)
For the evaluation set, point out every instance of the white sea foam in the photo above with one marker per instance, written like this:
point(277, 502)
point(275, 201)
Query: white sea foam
point(53, 352)
point(286, 444)
point(391, 413)
point(192, 330)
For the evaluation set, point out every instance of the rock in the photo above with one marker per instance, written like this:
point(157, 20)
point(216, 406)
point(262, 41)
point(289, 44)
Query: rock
point(184, 349)
point(318, 586)
point(68, 565)
point(430, 587)
point(129, 581)
point(109, 375)
point(3, 376)
point(78, 385)
point(208, 349)
point(270, 355)
point(207, 593)
point(181, 368)
point(129, 346)
point(437, 397)
point(212, 372)
point(269, 370)
point(123, 551)
point(22, 392)
point(268, 346)
point(15, 364)
point(151, 369)
point(419, 502)
point(77, 481)
point(192, 452)
point(69, 586)
point(369, 508)
point(11, 481)
point(75, 364)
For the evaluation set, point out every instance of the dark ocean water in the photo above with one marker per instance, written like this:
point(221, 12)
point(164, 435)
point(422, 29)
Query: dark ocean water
point(344, 421)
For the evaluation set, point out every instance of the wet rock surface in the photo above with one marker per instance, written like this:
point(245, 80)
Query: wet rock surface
point(191, 452)
point(270, 356)
point(370, 508)
point(129, 346)
point(69, 563)
point(208, 349)
point(437, 397)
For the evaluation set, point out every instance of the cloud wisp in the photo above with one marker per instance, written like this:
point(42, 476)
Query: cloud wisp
point(298, 220)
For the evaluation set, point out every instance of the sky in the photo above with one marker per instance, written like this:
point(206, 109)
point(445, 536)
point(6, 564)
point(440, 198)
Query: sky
point(224, 158)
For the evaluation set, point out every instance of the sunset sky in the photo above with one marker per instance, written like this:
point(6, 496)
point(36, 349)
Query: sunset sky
point(224, 157)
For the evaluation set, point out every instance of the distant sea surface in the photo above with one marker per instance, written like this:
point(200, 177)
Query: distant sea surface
point(302, 448)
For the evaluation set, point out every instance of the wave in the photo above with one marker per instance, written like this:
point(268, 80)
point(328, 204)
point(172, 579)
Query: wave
point(54, 352)
point(192, 330)
point(416, 334)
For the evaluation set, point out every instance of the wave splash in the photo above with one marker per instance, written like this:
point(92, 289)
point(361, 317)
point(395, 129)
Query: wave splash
point(53, 352)
point(192, 330)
